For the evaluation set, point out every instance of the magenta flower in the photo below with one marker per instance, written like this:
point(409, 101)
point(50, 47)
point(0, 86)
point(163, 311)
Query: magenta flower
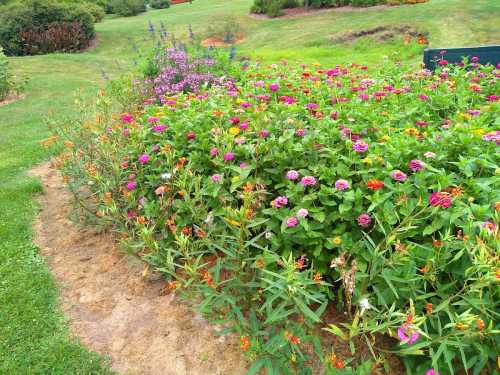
point(131, 185)
point(440, 199)
point(492, 98)
point(421, 123)
point(292, 175)
point(431, 372)
point(416, 165)
point(342, 184)
point(280, 202)
point(360, 146)
point(160, 128)
point(308, 181)
point(407, 335)
point(303, 213)
point(234, 120)
point(399, 175)
point(300, 132)
point(153, 120)
point(214, 151)
point(126, 132)
point(274, 87)
point(364, 220)
point(243, 165)
point(228, 156)
point(334, 115)
point(244, 125)
point(127, 118)
point(312, 106)
point(191, 136)
point(292, 221)
point(264, 133)
point(216, 178)
point(144, 158)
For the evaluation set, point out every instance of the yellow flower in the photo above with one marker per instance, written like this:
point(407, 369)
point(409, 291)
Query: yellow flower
point(385, 138)
point(337, 240)
point(160, 113)
point(367, 160)
point(380, 159)
point(234, 131)
point(478, 131)
point(235, 179)
point(412, 131)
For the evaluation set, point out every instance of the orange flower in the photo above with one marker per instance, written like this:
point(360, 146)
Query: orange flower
point(317, 277)
point(337, 363)
point(480, 324)
point(141, 220)
point(187, 231)
point(291, 338)
point(200, 233)
point(437, 243)
point(428, 308)
point(375, 184)
point(172, 285)
point(497, 206)
point(244, 343)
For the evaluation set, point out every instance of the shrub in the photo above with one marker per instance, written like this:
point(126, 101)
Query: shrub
point(229, 30)
point(273, 8)
point(380, 183)
point(8, 83)
point(97, 11)
point(127, 8)
point(56, 26)
point(159, 4)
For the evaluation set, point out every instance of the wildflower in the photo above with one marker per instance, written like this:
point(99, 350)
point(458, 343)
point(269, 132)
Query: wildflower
point(431, 372)
point(292, 175)
point(280, 202)
point(317, 277)
point(268, 235)
point(234, 120)
point(398, 175)
point(364, 305)
point(308, 181)
point(364, 220)
point(303, 213)
point(264, 133)
point(216, 178)
point(291, 338)
point(214, 151)
point(244, 343)
point(243, 165)
point(480, 324)
point(300, 132)
point(244, 125)
point(416, 165)
point(152, 119)
point(492, 98)
point(191, 136)
point(488, 226)
point(126, 132)
point(337, 363)
point(493, 136)
point(407, 335)
point(430, 155)
point(342, 184)
point(428, 308)
point(131, 185)
point(421, 123)
point(274, 87)
point(375, 184)
point(144, 159)
point(127, 118)
point(292, 221)
point(337, 240)
point(360, 146)
point(234, 131)
point(440, 199)
point(228, 156)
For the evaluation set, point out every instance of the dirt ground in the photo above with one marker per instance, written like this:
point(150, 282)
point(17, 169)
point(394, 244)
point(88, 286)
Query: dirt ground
point(117, 312)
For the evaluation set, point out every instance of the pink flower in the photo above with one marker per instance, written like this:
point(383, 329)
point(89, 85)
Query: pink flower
point(228, 156)
point(160, 128)
point(416, 165)
point(126, 132)
point(407, 335)
point(243, 165)
point(244, 125)
point(234, 120)
point(191, 136)
point(308, 181)
point(216, 178)
point(430, 155)
point(334, 115)
point(492, 98)
point(398, 175)
point(152, 120)
point(214, 151)
point(264, 133)
point(300, 132)
point(144, 158)
point(440, 199)
point(364, 220)
point(280, 202)
point(342, 184)
point(303, 213)
point(360, 146)
point(431, 372)
point(131, 185)
point(421, 123)
point(312, 106)
point(292, 221)
point(274, 87)
point(127, 118)
point(292, 175)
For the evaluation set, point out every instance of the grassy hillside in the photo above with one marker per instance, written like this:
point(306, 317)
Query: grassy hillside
point(33, 338)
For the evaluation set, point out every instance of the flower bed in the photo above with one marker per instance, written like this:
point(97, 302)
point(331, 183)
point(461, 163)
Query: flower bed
point(294, 185)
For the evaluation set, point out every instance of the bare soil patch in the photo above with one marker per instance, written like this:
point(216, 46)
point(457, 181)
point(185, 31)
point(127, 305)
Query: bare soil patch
point(380, 33)
point(11, 98)
point(116, 311)
point(217, 42)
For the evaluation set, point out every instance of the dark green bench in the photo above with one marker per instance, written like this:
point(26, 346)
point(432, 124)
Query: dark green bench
point(486, 54)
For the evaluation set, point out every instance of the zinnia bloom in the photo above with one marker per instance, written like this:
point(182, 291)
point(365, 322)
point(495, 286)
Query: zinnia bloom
point(440, 199)
point(300, 132)
point(360, 146)
point(228, 156)
point(274, 87)
point(431, 372)
point(308, 181)
point(160, 128)
point(216, 178)
point(416, 165)
point(127, 118)
point(303, 213)
point(398, 175)
point(264, 133)
point(292, 221)
point(214, 151)
point(131, 185)
point(144, 158)
point(364, 220)
point(292, 175)
point(407, 335)
point(375, 184)
point(342, 184)
point(191, 136)
point(280, 202)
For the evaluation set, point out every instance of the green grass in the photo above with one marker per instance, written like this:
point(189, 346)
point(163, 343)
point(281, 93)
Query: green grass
point(33, 335)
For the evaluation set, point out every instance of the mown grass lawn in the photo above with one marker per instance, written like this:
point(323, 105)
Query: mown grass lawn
point(33, 336)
